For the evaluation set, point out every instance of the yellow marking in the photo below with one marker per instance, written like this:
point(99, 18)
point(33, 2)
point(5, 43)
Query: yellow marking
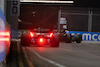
point(28, 61)
point(19, 56)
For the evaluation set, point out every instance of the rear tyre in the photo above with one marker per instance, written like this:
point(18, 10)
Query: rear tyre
point(25, 40)
point(78, 38)
point(68, 38)
point(54, 42)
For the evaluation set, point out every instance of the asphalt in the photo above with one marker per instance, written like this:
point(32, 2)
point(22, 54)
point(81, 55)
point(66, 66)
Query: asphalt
point(85, 54)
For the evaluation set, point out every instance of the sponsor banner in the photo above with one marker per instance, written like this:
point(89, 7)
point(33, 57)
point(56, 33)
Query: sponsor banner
point(87, 36)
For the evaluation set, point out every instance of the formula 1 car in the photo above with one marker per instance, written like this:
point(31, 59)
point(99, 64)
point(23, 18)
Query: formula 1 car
point(40, 37)
point(68, 38)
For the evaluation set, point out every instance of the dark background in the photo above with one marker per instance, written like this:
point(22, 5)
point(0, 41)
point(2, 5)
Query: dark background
point(35, 16)
point(46, 15)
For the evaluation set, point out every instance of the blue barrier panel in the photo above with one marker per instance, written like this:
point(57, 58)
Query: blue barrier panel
point(14, 34)
point(87, 36)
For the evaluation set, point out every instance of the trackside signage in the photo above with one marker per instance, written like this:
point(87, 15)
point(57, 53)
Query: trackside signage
point(87, 36)
point(15, 7)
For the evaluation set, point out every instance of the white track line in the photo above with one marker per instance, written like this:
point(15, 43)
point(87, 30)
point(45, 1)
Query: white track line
point(50, 61)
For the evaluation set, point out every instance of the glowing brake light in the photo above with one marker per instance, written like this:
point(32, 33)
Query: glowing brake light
point(4, 36)
point(41, 39)
point(4, 39)
point(31, 34)
point(51, 34)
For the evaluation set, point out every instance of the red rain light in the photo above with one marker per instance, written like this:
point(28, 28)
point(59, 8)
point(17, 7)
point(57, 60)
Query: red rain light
point(41, 40)
point(31, 34)
point(51, 34)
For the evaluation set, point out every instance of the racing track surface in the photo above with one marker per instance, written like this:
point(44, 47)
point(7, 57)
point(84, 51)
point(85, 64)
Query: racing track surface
point(85, 54)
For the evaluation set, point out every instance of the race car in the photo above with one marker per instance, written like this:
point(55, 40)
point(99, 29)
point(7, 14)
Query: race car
point(65, 36)
point(40, 37)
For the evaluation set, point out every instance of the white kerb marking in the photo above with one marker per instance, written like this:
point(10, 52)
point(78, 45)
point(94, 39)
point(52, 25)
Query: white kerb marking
point(48, 60)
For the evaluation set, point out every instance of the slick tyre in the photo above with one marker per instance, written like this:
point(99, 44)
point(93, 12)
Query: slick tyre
point(78, 38)
point(68, 38)
point(25, 40)
point(54, 42)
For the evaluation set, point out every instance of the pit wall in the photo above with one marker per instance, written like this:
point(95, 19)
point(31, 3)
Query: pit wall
point(87, 36)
